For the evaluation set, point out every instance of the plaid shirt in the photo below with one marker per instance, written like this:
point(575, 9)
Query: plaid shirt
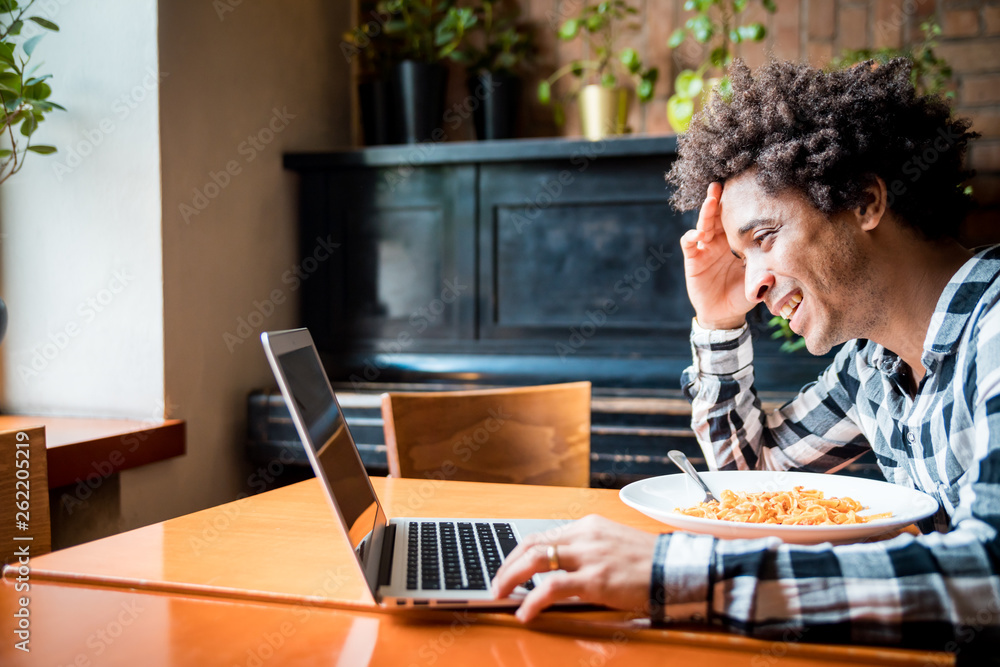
point(937, 590)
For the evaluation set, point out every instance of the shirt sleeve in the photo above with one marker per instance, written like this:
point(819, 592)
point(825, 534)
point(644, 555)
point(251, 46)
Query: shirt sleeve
point(816, 431)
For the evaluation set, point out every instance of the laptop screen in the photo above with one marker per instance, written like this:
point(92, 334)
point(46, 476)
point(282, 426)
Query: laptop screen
point(331, 443)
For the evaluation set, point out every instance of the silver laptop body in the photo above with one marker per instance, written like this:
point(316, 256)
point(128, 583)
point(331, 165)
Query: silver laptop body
point(383, 546)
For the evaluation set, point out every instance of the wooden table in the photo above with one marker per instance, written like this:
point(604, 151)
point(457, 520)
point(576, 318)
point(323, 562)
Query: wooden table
point(272, 574)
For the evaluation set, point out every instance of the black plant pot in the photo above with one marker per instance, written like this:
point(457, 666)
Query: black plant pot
point(376, 112)
point(498, 96)
point(418, 91)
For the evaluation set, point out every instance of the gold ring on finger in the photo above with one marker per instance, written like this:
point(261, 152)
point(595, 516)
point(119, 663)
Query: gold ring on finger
point(553, 555)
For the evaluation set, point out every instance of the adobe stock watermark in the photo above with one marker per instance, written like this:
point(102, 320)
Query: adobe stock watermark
point(558, 13)
point(579, 508)
point(102, 639)
point(223, 7)
point(266, 645)
point(604, 652)
point(44, 353)
point(46, 9)
point(919, 164)
point(624, 289)
point(121, 108)
point(776, 650)
point(553, 188)
point(250, 324)
point(364, 34)
point(467, 446)
point(610, 479)
point(100, 470)
point(222, 518)
point(419, 320)
point(973, 634)
point(453, 117)
point(248, 149)
point(886, 28)
point(463, 449)
point(432, 650)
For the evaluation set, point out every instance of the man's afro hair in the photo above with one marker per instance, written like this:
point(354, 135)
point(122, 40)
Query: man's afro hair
point(827, 135)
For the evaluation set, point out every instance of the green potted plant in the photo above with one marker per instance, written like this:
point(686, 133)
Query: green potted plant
point(426, 33)
point(24, 93)
point(715, 25)
point(603, 101)
point(494, 52)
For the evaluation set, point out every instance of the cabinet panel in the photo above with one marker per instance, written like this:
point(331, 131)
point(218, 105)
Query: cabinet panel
point(618, 263)
point(395, 262)
point(406, 265)
point(594, 245)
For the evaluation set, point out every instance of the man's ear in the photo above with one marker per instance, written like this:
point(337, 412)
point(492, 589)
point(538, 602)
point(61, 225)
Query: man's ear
point(870, 213)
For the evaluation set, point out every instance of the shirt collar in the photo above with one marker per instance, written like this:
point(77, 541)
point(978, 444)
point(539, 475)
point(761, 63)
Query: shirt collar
point(959, 300)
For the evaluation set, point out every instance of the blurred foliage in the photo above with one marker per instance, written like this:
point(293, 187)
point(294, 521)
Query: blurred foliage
point(392, 31)
point(601, 25)
point(24, 92)
point(498, 44)
point(792, 341)
point(930, 74)
point(716, 24)
point(427, 31)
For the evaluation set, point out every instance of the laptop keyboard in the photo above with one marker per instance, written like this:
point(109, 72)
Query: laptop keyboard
point(455, 555)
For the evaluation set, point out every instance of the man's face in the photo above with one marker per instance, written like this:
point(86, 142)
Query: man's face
point(803, 265)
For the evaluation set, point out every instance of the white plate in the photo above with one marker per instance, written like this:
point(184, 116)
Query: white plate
point(658, 497)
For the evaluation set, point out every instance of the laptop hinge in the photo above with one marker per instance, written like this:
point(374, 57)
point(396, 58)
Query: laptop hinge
point(385, 562)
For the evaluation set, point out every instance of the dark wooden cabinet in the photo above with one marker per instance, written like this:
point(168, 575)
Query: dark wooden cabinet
point(502, 263)
point(506, 262)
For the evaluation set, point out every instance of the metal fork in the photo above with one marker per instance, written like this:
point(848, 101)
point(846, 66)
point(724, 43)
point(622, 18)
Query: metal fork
point(682, 462)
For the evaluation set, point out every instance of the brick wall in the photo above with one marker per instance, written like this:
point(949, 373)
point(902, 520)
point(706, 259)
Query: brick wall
point(812, 30)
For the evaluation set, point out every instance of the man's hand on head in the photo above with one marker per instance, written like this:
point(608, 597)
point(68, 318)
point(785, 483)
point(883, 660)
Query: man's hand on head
point(714, 276)
point(600, 561)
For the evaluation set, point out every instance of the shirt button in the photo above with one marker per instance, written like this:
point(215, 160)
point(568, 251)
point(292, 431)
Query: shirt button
point(910, 437)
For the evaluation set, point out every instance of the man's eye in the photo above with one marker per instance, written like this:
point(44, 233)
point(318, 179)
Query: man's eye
point(762, 236)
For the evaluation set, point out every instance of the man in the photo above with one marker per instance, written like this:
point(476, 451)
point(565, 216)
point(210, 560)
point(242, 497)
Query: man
point(834, 199)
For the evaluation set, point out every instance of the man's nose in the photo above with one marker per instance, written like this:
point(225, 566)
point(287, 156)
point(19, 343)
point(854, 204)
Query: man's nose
point(758, 282)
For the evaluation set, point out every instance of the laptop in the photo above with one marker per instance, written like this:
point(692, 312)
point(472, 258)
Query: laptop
point(407, 562)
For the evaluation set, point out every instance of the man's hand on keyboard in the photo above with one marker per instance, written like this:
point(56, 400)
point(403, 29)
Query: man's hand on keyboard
point(600, 561)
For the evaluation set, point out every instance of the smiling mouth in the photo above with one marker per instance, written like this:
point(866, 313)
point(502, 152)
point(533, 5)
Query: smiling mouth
point(788, 310)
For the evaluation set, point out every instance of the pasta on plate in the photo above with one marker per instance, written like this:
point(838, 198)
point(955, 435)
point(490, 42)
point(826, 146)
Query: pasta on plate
point(799, 507)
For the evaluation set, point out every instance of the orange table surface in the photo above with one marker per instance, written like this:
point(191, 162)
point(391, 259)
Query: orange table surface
point(287, 545)
point(90, 626)
point(271, 556)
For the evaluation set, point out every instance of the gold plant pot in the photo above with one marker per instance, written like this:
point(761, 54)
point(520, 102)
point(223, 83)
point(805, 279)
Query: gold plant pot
point(603, 111)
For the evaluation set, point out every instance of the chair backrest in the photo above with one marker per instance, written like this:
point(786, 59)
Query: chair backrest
point(25, 523)
point(520, 435)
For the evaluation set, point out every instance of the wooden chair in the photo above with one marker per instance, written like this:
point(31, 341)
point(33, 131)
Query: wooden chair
point(520, 435)
point(25, 523)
